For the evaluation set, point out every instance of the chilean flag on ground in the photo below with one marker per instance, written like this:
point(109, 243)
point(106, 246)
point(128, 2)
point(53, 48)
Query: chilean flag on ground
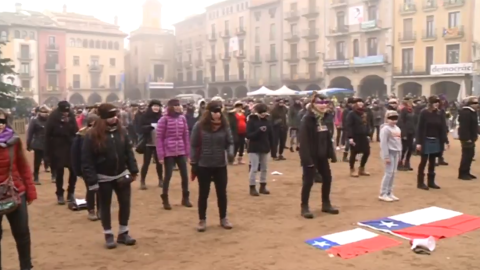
point(352, 243)
point(432, 221)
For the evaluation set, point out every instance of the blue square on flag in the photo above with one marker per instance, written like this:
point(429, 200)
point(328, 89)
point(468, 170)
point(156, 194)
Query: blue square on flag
point(385, 224)
point(321, 243)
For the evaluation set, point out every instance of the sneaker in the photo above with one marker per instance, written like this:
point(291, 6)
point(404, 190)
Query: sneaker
point(338, 148)
point(393, 197)
point(385, 198)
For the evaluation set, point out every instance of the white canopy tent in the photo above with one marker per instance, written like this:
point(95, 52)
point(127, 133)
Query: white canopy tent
point(284, 91)
point(263, 91)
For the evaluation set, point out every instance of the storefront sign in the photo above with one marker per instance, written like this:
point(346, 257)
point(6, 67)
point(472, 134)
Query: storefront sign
point(336, 63)
point(461, 68)
point(369, 60)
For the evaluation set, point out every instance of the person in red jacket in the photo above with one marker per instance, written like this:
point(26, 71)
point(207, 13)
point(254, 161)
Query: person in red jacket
point(22, 179)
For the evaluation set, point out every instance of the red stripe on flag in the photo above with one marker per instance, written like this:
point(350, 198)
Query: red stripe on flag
point(442, 229)
point(355, 249)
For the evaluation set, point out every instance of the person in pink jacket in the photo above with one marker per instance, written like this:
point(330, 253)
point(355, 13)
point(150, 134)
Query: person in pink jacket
point(339, 125)
point(173, 147)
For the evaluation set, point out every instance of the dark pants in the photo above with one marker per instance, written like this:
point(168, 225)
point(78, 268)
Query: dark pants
point(18, 220)
point(182, 166)
point(124, 195)
point(219, 178)
point(323, 168)
point(375, 130)
point(92, 198)
point(468, 152)
point(240, 145)
point(353, 157)
point(340, 136)
point(431, 163)
point(279, 140)
point(407, 148)
point(151, 151)
point(72, 181)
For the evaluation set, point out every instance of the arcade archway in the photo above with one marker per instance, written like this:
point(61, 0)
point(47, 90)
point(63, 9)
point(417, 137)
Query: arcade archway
point(76, 99)
point(241, 91)
point(112, 97)
point(227, 92)
point(447, 88)
point(94, 98)
point(313, 86)
point(212, 91)
point(341, 82)
point(372, 85)
point(409, 88)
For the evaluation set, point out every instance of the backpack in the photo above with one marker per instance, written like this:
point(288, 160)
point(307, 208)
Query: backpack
point(9, 196)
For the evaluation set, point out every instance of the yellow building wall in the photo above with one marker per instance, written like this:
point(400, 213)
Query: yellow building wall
point(8, 50)
point(441, 18)
point(85, 54)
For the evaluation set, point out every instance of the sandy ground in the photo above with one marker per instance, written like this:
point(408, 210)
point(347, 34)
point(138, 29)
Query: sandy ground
point(269, 233)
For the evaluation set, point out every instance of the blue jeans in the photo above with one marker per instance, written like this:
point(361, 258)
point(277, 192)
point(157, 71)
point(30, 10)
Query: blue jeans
point(18, 220)
point(390, 170)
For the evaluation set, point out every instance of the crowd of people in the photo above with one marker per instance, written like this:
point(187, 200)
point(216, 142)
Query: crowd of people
point(98, 143)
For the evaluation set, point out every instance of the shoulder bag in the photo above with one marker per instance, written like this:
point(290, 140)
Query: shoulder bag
point(9, 196)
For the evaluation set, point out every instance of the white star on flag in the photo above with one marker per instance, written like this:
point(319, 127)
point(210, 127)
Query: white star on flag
point(320, 244)
point(388, 224)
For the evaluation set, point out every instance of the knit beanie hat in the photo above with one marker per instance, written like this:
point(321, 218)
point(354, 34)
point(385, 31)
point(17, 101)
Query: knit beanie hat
point(107, 110)
point(63, 106)
point(155, 102)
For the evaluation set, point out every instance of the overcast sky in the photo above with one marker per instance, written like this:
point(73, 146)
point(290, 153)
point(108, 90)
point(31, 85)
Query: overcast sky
point(129, 12)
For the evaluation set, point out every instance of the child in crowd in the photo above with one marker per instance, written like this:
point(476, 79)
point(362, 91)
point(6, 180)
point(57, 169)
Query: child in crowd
point(390, 151)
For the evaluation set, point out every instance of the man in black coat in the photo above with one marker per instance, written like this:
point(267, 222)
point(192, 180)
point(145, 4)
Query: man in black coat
point(468, 134)
point(60, 131)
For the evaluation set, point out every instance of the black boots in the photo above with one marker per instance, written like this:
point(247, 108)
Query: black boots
point(165, 202)
point(186, 199)
point(36, 181)
point(60, 200)
point(441, 162)
point(160, 183)
point(263, 189)
point(431, 181)
point(421, 181)
point(110, 241)
point(125, 239)
point(305, 212)
point(253, 191)
point(345, 157)
point(71, 197)
point(143, 185)
point(329, 209)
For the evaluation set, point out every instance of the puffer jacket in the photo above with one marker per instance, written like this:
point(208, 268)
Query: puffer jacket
point(172, 137)
point(21, 173)
point(36, 134)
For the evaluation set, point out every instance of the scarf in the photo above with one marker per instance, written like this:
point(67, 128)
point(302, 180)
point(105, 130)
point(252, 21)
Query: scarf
point(319, 116)
point(363, 115)
point(111, 128)
point(6, 135)
point(65, 118)
point(216, 124)
point(409, 109)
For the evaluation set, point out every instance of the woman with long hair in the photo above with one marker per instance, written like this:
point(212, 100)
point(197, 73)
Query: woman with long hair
point(430, 141)
point(148, 123)
point(316, 149)
point(173, 147)
point(14, 167)
point(109, 165)
point(211, 143)
point(358, 132)
point(406, 123)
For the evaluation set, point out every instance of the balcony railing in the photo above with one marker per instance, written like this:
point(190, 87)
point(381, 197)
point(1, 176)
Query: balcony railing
point(430, 5)
point(226, 56)
point(291, 36)
point(407, 37)
point(289, 57)
point(50, 89)
point(198, 44)
point(212, 36)
point(339, 30)
point(271, 57)
point(339, 62)
point(257, 59)
point(429, 35)
point(52, 67)
point(453, 32)
point(371, 25)
point(95, 68)
point(453, 3)
point(314, 76)
point(187, 64)
point(52, 47)
point(408, 8)
point(291, 15)
point(25, 56)
point(225, 34)
point(240, 31)
point(196, 82)
point(310, 12)
point(312, 33)
point(198, 63)
point(211, 58)
point(230, 78)
point(310, 55)
point(338, 3)
point(188, 46)
point(25, 74)
point(240, 54)
point(410, 70)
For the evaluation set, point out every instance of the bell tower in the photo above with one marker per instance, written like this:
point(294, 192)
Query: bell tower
point(152, 11)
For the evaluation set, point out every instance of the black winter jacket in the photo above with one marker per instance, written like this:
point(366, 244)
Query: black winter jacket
point(36, 134)
point(116, 157)
point(468, 130)
point(259, 141)
point(406, 122)
point(315, 142)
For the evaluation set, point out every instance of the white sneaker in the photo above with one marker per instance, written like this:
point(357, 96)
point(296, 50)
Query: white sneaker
point(385, 198)
point(338, 148)
point(393, 197)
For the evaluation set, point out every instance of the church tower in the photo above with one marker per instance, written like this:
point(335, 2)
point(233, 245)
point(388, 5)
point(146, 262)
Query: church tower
point(152, 10)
